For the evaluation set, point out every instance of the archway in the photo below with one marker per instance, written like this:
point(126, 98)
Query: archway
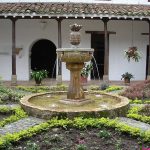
point(43, 56)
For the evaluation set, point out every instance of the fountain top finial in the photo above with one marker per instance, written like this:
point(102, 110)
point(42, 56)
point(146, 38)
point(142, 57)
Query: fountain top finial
point(75, 27)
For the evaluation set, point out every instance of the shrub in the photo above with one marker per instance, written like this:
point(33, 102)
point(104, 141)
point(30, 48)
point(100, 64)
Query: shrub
point(145, 110)
point(138, 91)
point(104, 86)
point(0, 80)
point(113, 88)
point(7, 94)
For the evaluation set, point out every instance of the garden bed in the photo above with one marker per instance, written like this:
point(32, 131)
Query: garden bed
point(75, 139)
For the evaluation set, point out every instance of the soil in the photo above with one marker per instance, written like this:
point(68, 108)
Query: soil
point(75, 139)
point(3, 116)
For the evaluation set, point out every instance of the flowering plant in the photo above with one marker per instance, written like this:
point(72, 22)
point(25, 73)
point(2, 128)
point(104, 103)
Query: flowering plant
point(39, 75)
point(75, 27)
point(86, 70)
point(127, 75)
point(132, 53)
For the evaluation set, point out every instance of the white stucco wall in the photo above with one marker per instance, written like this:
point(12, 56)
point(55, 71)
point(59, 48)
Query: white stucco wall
point(28, 31)
point(118, 43)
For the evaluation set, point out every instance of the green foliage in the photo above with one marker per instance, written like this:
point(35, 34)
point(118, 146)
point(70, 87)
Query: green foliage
point(132, 53)
point(118, 144)
point(127, 75)
point(78, 123)
point(18, 114)
point(60, 87)
point(86, 70)
point(5, 110)
point(113, 88)
point(138, 101)
point(81, 147)
point(42, 89)
point(104, 134)
point(7, 94)
point(39, 75)
point(34, 89)
point(32, 146)
point(134, 113)
point(0, 80)
point(145, 110)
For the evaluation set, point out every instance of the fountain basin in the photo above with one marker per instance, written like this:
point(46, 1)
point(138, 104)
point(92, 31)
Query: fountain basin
point(49, 105)
point(75, 55)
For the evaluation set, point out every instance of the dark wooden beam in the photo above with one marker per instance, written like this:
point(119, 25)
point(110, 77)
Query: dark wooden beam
point(100, 32)
point(106, 52)
point(14, 76)
point(149, 52)
point(145, 33)
point(13, 46)
point(59, 45)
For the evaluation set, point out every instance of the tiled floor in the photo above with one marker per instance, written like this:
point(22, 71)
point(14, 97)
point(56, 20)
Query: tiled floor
point(50, 82)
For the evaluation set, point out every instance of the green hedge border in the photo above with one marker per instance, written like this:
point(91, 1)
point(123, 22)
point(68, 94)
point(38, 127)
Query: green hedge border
point(17, 114)
point(134, 114)
point(79, 123)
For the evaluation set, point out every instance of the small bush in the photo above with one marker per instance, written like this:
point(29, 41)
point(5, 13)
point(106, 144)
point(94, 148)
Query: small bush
point(104, 134)
point(138, 91)
point(104, 86)
point(7, 94)
point(145, 110)
point(0, 80)
point(113, 88)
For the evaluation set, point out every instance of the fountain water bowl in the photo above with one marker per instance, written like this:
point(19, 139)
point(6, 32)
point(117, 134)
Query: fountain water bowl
point(75, 103)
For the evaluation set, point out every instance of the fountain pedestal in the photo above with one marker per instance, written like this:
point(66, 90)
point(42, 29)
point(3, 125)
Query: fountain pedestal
point(75, 90)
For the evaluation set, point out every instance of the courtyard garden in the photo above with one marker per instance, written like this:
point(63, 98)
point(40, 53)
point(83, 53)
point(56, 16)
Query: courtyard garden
point(20, 131)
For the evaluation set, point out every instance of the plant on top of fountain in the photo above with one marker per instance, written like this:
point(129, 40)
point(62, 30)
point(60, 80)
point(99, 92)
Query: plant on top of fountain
point(132, 53)
point(75, 27)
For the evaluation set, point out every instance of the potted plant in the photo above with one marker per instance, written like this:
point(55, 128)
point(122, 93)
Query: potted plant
point(132, 53)
point(85, 72)
point(127, 76)
point(39, 75)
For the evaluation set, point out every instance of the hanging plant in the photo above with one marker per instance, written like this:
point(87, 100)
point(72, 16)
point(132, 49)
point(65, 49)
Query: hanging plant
point(132, 53)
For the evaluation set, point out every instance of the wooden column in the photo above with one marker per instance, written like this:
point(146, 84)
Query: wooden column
point(148, 77)
point(59, 64)
point(14, 76)
point(106, 52)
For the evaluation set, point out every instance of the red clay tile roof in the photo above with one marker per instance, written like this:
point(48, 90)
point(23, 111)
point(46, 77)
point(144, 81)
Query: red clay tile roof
point(80, 9)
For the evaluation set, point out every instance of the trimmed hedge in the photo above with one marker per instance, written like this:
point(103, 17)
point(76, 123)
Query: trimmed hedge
point(18, 114)
point(77, 123)
point(134, 114)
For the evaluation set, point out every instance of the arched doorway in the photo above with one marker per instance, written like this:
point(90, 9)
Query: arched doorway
point(43, 56)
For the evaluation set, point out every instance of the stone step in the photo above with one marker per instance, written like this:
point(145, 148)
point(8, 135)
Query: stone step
point(19, 125)
point(138, 124)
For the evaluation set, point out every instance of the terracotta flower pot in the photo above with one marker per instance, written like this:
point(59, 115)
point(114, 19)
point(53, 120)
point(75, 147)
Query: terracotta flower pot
point(83, 79)
point(126, 81)
point(38, 82)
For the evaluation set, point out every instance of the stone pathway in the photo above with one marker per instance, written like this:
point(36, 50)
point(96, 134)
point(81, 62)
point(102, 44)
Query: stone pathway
point(138, 124)
point(22, 124)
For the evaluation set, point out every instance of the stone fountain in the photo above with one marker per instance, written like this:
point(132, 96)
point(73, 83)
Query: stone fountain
point(75, 58)
point(73, 103)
